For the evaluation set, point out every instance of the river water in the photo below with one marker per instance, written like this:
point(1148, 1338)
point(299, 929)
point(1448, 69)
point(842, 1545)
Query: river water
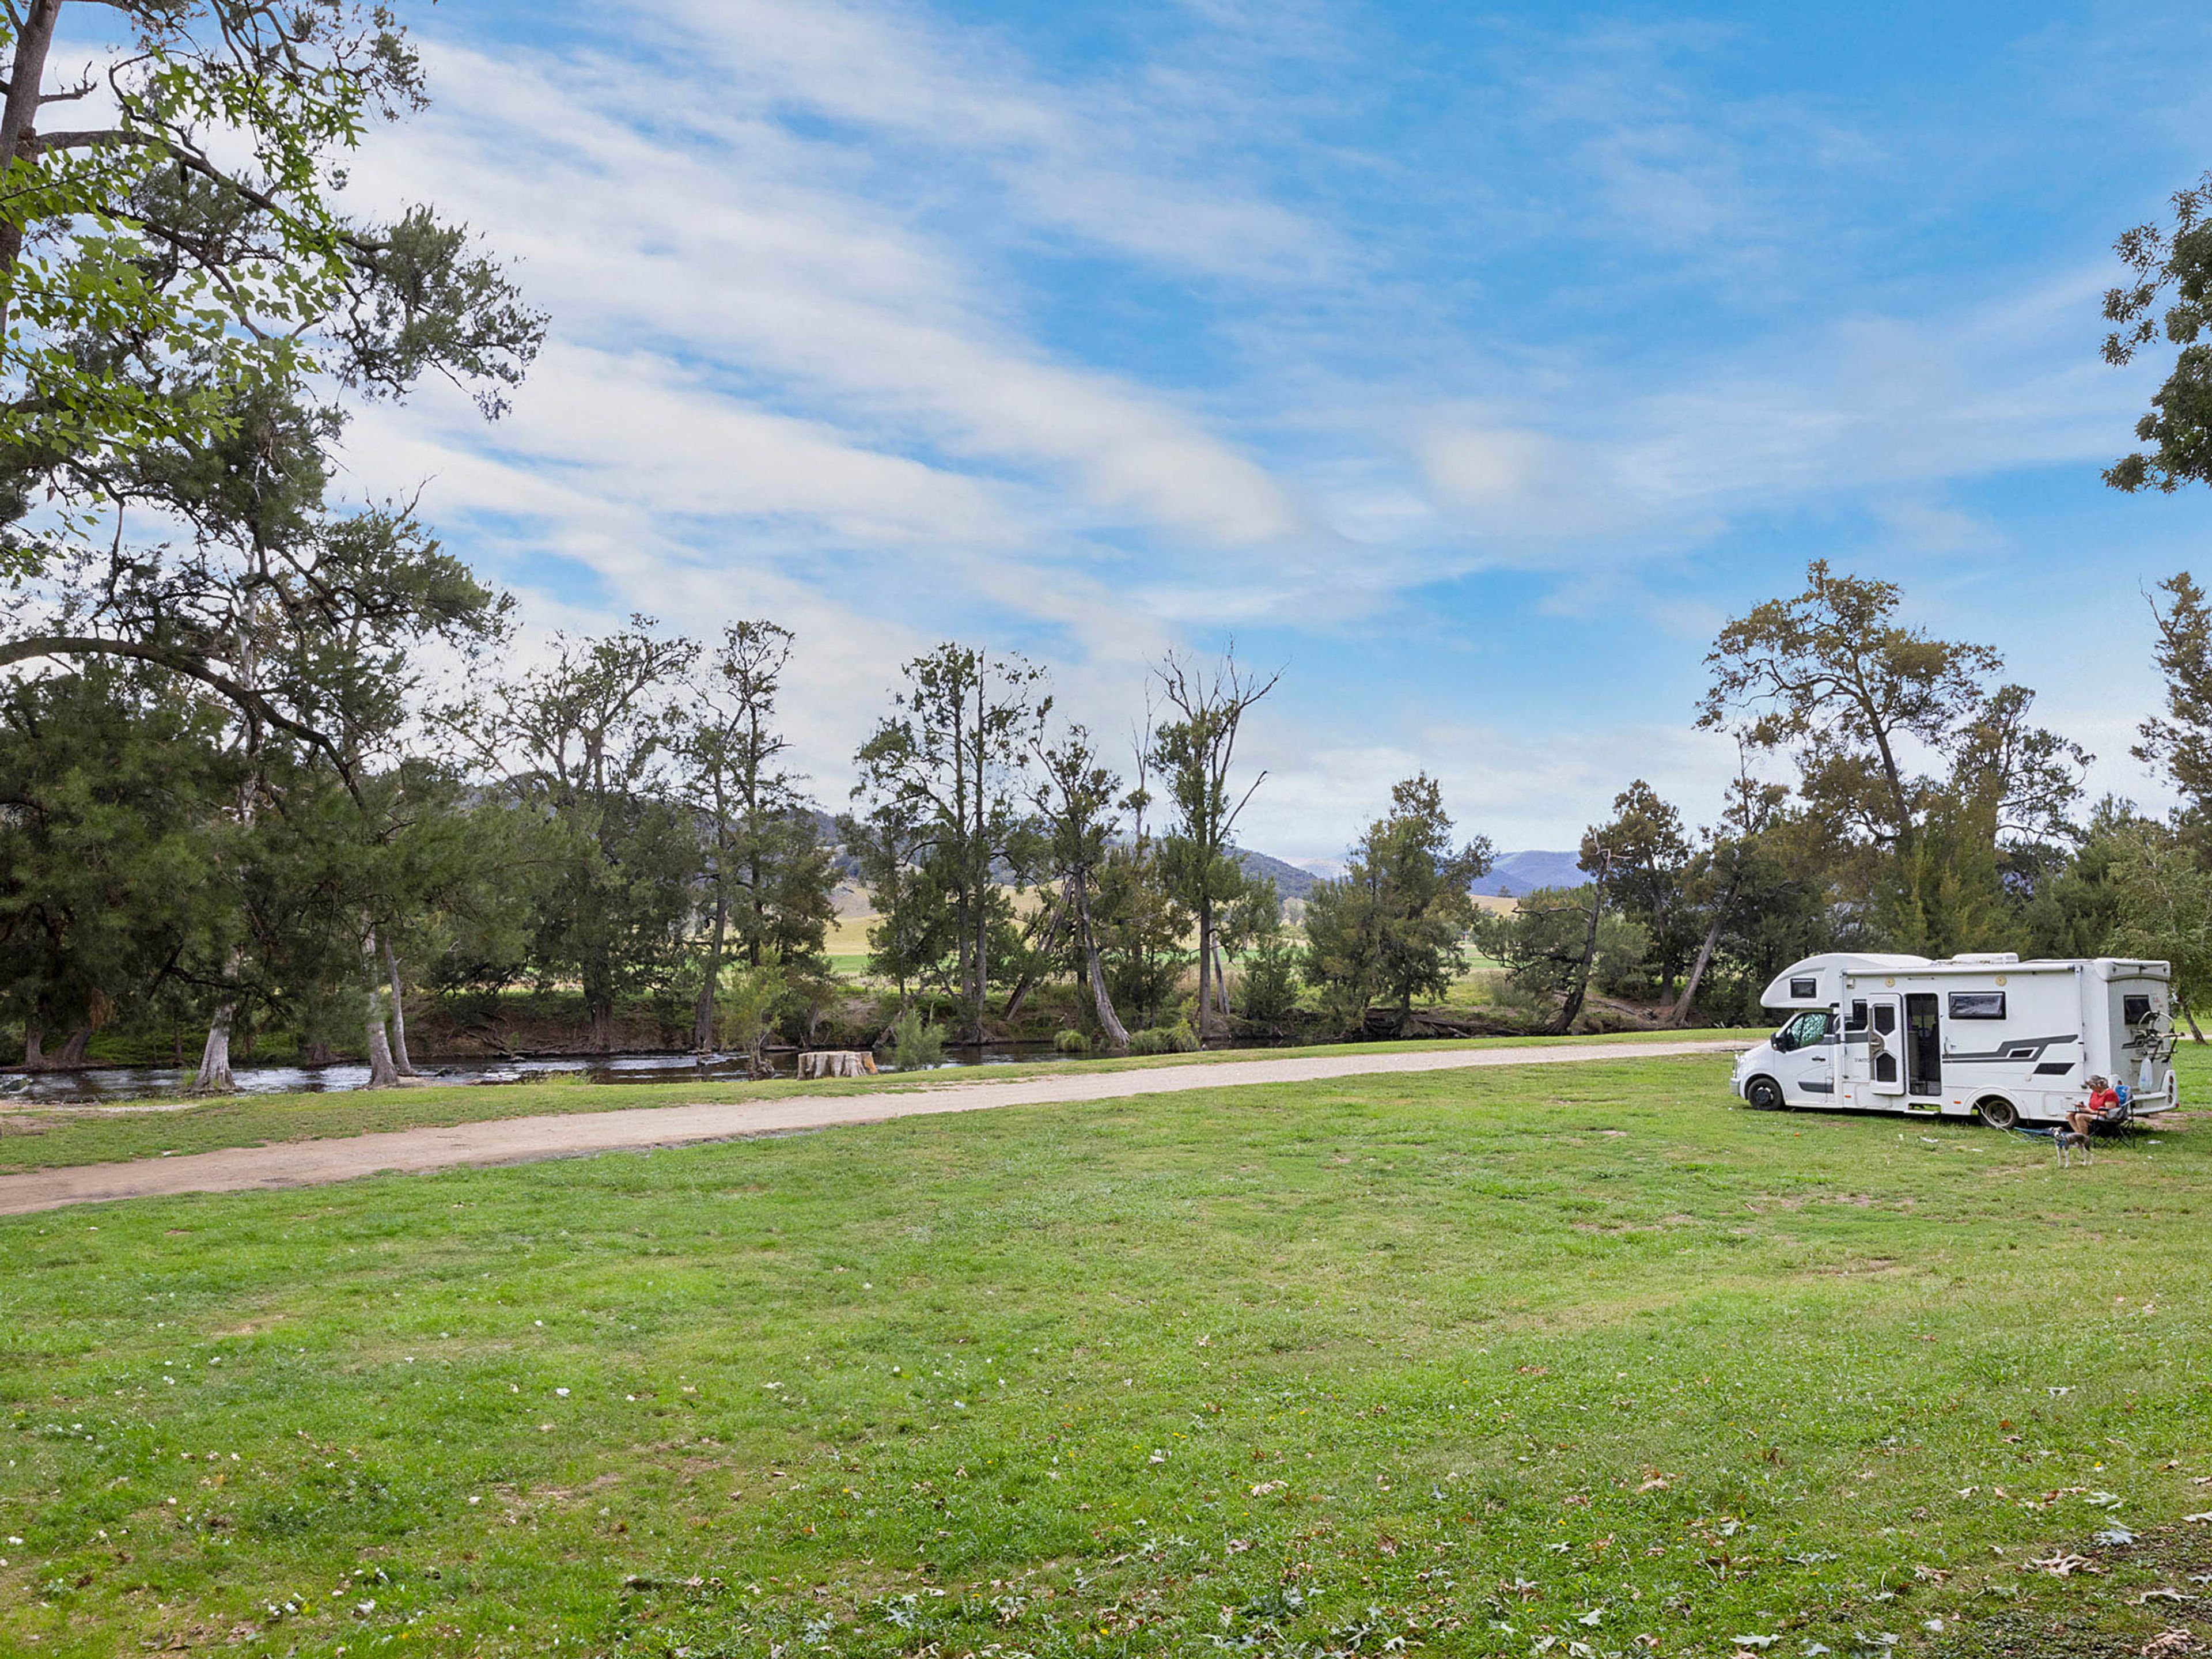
point(110, 1085)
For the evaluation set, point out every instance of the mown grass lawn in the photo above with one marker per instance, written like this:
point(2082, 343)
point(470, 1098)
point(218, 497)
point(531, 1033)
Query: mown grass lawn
point(1565, 1360)
point(46, 1139)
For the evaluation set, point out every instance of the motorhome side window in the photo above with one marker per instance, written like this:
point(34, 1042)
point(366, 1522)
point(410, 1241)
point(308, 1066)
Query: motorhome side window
point(1977, 1005)
point(1858, 1022)
point(1804, 987)
point(2134, 1010)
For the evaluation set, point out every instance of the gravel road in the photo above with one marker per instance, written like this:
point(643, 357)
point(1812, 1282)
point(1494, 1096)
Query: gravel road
point(526, 1140)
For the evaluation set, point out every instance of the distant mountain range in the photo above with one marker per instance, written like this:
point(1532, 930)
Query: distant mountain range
point(1291, 882)
point(1516, 873)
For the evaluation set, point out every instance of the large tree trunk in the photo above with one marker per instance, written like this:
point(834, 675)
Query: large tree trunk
point(26, 74)
point(702, 1014)
point(1570, 1008)
point(1205, 964)
point(383, 1073)
point(399, 1008)
point(1029, 978)
point(1221, 984)
point(72, 1052)
point(1704, 954)
point(214, 1077)
point(35, 1046)
point(2196, 1032)
point(1109, 1021)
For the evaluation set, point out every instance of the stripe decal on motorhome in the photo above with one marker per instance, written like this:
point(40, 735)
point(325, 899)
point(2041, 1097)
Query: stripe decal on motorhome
point(2014, 1048)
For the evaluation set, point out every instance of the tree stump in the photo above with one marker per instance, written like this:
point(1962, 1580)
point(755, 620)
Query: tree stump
point(836, 1062)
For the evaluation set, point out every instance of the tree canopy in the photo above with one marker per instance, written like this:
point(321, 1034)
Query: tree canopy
point(2169, 295)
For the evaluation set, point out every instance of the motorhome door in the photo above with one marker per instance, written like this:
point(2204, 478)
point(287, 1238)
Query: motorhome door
point(1885, 1042)
point(1923, 1045)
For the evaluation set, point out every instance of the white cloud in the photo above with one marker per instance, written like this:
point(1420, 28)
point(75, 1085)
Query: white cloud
point(867, 320)
point(750, 257)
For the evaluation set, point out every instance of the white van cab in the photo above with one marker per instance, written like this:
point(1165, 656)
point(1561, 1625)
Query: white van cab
point(1985, 1035)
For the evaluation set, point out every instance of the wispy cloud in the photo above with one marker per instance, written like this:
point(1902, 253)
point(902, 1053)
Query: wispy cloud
point(1419, 345)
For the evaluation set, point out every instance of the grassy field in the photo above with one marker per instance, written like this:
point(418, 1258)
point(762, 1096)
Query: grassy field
point(50, 1138)
point(1578, 1361)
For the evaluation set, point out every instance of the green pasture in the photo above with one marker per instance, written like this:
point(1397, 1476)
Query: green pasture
point(1568, 1360)
point(34, 1138)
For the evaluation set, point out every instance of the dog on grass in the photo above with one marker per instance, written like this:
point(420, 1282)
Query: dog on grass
point(2071, 1135)
point(2081, 1123)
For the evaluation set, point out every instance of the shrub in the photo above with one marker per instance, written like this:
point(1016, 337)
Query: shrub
point(1176, 1039)
point(750, 1002)
point(1271, 980)
point(916, 1045)
point(1071, 1043)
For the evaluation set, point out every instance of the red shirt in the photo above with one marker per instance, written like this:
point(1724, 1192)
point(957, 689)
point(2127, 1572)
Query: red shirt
point(2103, 1100)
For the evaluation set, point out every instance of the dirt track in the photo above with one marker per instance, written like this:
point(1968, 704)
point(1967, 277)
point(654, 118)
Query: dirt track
point(526, 1139)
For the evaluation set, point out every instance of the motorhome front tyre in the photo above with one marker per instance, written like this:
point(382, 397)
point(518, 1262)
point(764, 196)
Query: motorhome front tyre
point(1997, 1112)
point(1763, 1094)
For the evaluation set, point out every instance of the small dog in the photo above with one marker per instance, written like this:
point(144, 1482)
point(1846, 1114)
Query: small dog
point(2081, 1123)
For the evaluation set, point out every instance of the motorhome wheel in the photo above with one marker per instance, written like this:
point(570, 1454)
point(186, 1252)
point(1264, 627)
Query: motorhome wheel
point(1763, 1094)
point(1997, 1112)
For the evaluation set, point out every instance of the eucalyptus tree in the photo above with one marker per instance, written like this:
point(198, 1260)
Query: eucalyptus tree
point(1725, 865)
point(947, 764)
point(308, 612)
point(2169, 294)
point(2178, 741)
point(177, 243)
point(1909, 754)
point(1394, 926)
point(767, 870)
point(1195, 753)
point(1078, 801)
point(583, 743)
point(913, 938)
point(2164, 910)
point(111, 862)
point(1650, 873)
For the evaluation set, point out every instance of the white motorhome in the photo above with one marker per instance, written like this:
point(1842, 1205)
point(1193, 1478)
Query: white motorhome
point(1992, 1036)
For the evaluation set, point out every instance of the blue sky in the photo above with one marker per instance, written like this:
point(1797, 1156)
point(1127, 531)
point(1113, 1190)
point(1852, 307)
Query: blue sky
point(1475, 363)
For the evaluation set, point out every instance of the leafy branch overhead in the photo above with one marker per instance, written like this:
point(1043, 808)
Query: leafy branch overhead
point(150, 285)
point(2170, 294)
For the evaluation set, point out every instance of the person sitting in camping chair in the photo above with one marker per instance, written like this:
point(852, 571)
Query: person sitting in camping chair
point(2103, 1106)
